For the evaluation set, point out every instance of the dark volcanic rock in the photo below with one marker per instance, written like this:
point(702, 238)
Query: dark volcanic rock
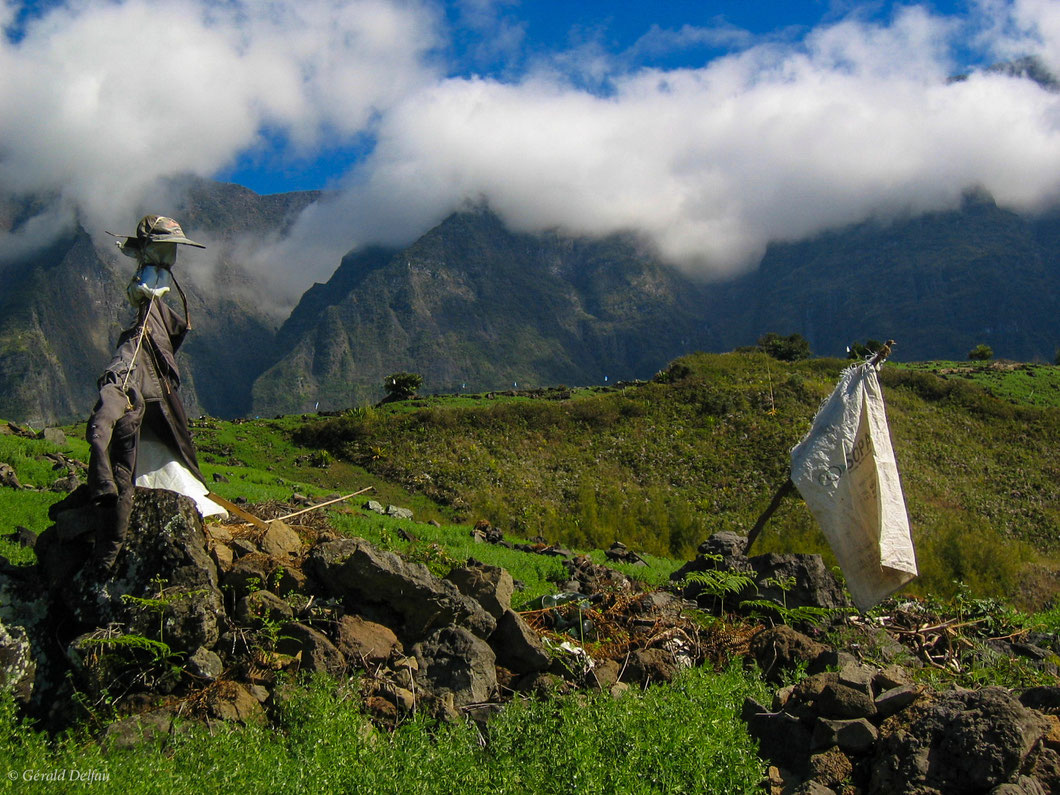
point(812, 584)
point(782, 737)
point(163, 577)
point(650, 666)
point(252, 572)
point(490, 586)
point(815, 585)
point(592, 578)
point(231, 701)
point(453, 661)
point(517, 646)
point(317, 653)
point(1043, 699)
point(355, 570)
point(262, 606)
point(966, 742)
point(780, 649)
point(832, 698)
point(853, 736)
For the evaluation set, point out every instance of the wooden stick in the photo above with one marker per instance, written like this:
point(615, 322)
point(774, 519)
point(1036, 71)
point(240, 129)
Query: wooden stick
point(782, 492)
point(246, 516)
point(320, 505)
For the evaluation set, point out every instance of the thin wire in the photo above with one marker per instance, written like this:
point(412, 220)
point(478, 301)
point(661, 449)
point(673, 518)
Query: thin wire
point(139, 344)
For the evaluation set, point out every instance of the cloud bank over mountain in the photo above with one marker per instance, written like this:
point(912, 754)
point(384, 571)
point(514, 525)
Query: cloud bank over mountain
point(781, 137)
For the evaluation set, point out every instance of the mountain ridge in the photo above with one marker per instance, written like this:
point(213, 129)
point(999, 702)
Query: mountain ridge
point(473, 305)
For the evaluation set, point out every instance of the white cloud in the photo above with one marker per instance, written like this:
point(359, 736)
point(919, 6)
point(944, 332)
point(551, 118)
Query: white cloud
point(775, 143)
point(781, 139)
point(100, 99)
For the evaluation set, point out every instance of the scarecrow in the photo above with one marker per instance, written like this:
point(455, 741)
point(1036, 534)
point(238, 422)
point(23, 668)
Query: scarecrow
point(138, 432)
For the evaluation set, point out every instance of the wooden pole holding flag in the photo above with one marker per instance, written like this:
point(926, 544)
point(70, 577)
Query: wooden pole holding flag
point(787, 488)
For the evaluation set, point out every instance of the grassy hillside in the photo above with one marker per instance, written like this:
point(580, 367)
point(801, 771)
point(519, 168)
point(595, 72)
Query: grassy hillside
point(659, 464)
point(702, 448)
point(662, 465)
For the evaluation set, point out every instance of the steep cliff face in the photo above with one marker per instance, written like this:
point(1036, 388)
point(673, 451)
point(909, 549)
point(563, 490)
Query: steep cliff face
point(472, 305)
point(57, 318)
point(62, 309)
point(940, 284)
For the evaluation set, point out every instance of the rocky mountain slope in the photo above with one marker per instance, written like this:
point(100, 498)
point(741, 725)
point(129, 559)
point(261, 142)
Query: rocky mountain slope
point(62, 308)
point(940, 284)
point(474, 306)
point(473, 303)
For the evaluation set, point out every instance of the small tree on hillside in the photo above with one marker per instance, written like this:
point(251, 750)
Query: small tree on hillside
point(981, 353)
point(788, 349)
point(402, 386)
point(859, 351)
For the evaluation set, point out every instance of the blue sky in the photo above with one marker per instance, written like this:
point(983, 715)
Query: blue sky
point(710, 129)
point(546, 28)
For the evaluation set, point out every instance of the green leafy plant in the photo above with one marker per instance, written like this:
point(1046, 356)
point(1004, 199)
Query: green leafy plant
point(718, 583)
point(159, 651)
point(857, 350)
point(792, 616)
point(791, 348)
point(402, 386)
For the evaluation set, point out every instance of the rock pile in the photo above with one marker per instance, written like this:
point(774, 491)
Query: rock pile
point(854, 728)
point(202, 619)
point(792, 580)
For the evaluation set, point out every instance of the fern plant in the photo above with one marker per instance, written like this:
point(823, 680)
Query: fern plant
point(718, 583)
point(792, 616)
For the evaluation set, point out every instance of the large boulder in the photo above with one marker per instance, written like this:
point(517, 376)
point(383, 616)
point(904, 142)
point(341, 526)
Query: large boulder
point(789, 580)
point(164, 582)
point(280, 541)
point(829, 695)
point(454, 662)
point(517, 646)
point(963, 742)
point(312, 647)
point(782, 738)
point(355, 570)
point(813, 583)
point(780, 649)
point(365, 642)
point(490, 586)
point(648, 666)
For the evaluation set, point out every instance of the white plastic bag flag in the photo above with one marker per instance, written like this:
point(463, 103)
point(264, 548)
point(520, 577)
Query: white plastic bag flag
point(846, 471)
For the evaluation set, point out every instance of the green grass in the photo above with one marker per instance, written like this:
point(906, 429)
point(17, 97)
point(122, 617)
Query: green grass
point(663, 465)
point(29, 508)
point(660, 466)
point(1020, 383)
point(260, 462)
point(686, 737)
